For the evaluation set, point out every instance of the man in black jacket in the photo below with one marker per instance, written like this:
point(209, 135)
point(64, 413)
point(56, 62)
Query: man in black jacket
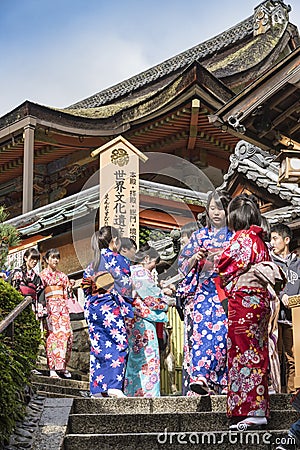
point(281, 236)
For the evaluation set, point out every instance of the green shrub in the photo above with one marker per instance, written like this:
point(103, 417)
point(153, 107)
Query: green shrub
point(9, 237)
point(17, 359)
point(144, 235)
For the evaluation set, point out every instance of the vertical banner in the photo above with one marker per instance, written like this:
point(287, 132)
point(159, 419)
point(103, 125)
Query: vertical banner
point(119, 186)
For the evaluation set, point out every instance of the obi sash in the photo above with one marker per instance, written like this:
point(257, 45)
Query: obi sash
point(54, 291)
point(28, 289)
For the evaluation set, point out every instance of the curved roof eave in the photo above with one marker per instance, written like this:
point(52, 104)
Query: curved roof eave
point(236, 36)
point(111, 118)
point(199, 52)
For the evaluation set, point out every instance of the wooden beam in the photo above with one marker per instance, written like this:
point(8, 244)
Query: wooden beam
point(287, 142)
point(193, 124)
point(165, 141)
point(285, 114)
point(11, 165)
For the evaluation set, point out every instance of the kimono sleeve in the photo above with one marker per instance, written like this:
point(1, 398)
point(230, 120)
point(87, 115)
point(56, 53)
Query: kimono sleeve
point(87, 280)
point(119, 268)
point(236, 258)
point(149, 300)
point(192, 247)
point(39, 285)
point(66, 285)
point(148, 291)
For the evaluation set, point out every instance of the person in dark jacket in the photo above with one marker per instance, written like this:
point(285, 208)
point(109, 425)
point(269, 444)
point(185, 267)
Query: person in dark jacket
point(281, 236)
point(291, 441)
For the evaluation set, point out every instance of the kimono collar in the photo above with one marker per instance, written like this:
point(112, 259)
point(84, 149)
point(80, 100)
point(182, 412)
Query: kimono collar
point(255, 229)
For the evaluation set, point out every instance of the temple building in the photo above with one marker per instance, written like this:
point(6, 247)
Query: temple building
point(226, 107)
point(188, 106)
point(182, 107)
point(45, 152)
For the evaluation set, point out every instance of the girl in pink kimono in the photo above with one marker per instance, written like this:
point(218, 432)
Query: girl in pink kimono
point(59, 332)
point(142, 378)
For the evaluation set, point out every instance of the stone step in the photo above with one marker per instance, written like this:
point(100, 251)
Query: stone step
point(41, 379)
point(171, 404)
point(173, 422)
point(59, 387)
point(47, 394)
point(57, 390)
point(218, 440)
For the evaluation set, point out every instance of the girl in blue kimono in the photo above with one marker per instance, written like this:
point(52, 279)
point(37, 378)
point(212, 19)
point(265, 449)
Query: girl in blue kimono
point(150, 304)
point(107, 286)
point(205, 321)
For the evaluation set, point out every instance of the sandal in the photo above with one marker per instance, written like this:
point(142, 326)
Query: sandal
point(250, 423)
point(53, 374)
point(116, 393)
point(67, 374)
point(200, 386)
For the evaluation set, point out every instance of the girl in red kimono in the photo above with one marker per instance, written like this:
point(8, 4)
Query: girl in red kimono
point(59, 331)
point(248, 317)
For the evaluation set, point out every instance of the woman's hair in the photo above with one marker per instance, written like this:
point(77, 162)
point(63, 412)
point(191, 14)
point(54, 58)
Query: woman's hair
point(266, 227)
point(222, 200)
point(189, 228)
point(100, 240)
point(128, 243)
point(52, 252)
point(146, 250)
point(242, 213)
point(32, 253)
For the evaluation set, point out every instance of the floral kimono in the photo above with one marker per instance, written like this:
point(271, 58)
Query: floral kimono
point(142, 377)
point(205, 321)
point(28, 282)
point(59, 331)
point(105, 309)
point(248, 319)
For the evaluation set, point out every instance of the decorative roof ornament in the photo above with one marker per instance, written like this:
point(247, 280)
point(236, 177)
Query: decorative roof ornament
point(269, 14)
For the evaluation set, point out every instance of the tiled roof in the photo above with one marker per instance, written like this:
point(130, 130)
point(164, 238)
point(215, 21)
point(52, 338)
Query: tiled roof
point(287, 214)
point(85, 202)
point(199, 52)
point(231, 52)
point(259, 166)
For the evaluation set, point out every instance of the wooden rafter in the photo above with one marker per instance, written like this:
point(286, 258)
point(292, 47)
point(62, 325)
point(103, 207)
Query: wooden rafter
point(166, 141)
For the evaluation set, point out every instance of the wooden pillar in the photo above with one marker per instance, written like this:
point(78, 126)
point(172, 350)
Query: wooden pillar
point(294, 303)
point(28, 168)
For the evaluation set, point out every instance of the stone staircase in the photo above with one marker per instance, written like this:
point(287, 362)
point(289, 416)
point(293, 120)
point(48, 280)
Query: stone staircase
point(150, 424)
